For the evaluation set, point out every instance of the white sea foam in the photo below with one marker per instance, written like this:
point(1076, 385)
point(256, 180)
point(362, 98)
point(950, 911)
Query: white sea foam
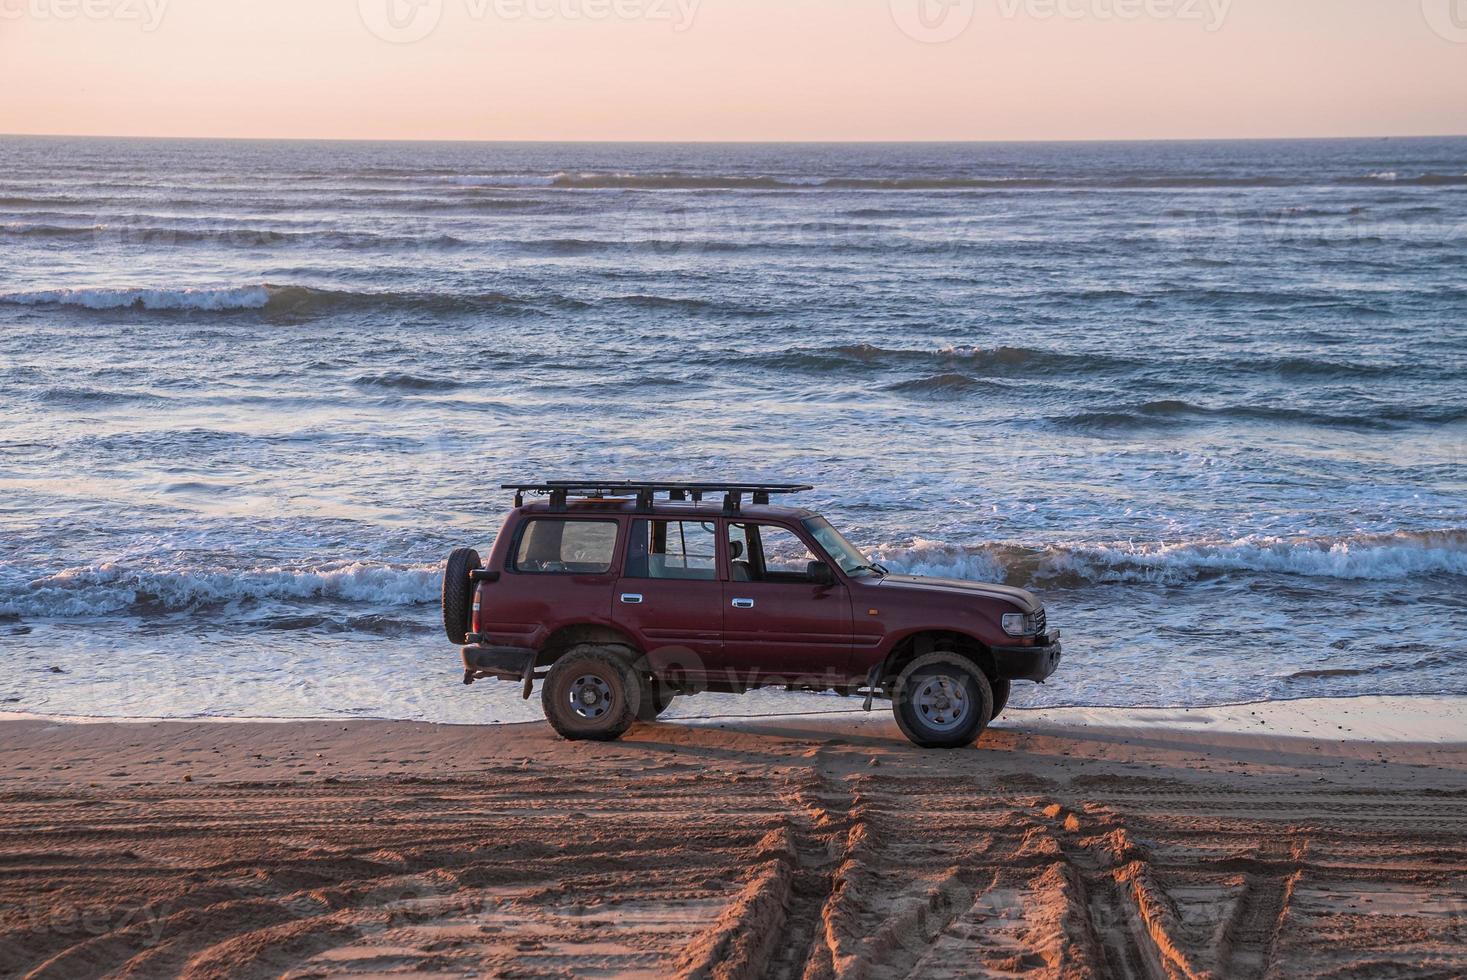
point(1390, 557)
point(117, 587)
point(91, 590)
point(194, 298)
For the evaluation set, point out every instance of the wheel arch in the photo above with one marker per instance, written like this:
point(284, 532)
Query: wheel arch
point(918, 642)
point(575, 634)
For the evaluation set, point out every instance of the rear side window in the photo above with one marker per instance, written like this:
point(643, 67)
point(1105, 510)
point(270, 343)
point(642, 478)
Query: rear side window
point(558, 546)
point(673, 549)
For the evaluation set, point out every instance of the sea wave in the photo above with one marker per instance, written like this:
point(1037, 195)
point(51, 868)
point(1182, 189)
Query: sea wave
point(686, 181)
point(94, 590)
point(1368, 557)
point(224, 235)
point(949, 360)
point(1404, 659)
point(282, 300)
point(190, 298)
point(403, 381)
point(120, 588)
point(1176, 412)
point(948, 383)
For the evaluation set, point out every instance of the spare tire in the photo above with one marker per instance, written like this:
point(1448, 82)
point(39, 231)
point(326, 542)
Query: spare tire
point(458, 593)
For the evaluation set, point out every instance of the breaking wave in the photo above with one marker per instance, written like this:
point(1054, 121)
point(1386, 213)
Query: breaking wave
point(194, 298)
point(118, 588)
point(94, 590)
point(1386, 557)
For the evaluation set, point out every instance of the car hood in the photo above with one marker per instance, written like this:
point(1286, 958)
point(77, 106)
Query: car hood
point(1026, 601)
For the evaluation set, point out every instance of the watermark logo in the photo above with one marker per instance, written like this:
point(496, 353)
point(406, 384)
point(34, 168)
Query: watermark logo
point(1448, 18)
point(935, 21)
point(932, 21)
point(401, 21)
point(1209, 13)
point(148, 14)
point(406, 21)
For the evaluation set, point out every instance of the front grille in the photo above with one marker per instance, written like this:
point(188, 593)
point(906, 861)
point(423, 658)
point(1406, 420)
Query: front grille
point(1040, 621)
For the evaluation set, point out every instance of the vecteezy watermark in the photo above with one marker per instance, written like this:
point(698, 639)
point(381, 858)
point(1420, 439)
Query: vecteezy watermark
point(1209, 13)
point(400, 21)
point(406, 21)
point(148, 13)
point(141, 926)
point(935, 21)
point(932, 21)
point(1448, 18)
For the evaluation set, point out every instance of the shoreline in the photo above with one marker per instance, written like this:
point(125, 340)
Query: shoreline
point(1444, 720)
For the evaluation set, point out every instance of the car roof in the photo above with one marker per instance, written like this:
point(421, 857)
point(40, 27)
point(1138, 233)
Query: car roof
point(705, 510)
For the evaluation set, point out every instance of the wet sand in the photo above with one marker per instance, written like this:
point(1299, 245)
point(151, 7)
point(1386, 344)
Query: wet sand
point(1308, 839)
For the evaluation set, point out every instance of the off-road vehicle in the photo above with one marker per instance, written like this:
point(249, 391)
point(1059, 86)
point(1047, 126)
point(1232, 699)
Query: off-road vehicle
point(620, 595)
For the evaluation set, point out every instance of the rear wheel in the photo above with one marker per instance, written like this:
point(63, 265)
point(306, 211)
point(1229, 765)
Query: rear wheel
point(591, 693)
point(458, 593)
point(1001, 691)
point(942, 701)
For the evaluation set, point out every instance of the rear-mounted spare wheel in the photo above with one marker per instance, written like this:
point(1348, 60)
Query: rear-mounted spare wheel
point(458, 593)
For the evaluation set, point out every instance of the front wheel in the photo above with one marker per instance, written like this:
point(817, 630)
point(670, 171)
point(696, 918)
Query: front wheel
point(591, 693)
point(942, 701)
point(656, 698)
point(1001, 691)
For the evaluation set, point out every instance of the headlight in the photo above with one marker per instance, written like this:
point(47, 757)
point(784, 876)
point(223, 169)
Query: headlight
point(1021, 624)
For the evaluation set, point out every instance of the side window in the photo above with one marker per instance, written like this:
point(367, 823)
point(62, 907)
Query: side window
point(740, 555)
point(766, 553)
point(672, 549)
point(785, 555)
point(550, 545)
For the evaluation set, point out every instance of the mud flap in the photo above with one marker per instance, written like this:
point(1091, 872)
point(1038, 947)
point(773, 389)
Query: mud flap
point(871, 676)
point(529, 679)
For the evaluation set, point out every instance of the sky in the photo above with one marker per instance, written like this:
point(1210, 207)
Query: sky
point(734, 69)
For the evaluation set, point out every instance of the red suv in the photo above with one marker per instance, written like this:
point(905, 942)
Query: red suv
point(620, 596)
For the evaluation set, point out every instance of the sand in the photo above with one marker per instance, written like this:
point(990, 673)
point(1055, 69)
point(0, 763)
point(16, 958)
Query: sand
point(1306, 839)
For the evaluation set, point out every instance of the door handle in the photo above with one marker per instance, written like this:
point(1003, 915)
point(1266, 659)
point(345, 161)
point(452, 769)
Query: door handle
point(631, 598)
point(743, 603)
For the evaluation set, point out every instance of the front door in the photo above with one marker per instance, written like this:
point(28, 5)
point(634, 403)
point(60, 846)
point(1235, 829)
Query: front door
point(669, 596)
point(779, 621)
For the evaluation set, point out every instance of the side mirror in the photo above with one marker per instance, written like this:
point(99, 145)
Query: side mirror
point(820, 573)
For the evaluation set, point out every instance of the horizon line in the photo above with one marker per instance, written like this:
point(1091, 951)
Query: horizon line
point(735, 142)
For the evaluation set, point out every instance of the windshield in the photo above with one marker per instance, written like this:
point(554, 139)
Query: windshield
point(847, 555)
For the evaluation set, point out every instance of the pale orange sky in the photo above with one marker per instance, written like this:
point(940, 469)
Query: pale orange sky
point(734, 69)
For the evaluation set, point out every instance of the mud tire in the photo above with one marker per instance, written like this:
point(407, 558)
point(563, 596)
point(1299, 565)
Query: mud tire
point(656, 698)
point(601, 674)
point(1001, 691)
point(922, 680)
point(458, 593)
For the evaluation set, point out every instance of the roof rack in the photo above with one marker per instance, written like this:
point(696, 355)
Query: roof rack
point(646, 490)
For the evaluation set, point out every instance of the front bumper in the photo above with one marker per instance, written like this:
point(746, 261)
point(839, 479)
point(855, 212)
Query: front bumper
point(1032, 663)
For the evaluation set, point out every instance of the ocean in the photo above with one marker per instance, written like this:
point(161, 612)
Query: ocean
point(1206, 398)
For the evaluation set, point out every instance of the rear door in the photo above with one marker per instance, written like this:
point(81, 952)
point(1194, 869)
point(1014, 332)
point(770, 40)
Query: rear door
point(555, 565)
point(670, 595)
point(779, 621)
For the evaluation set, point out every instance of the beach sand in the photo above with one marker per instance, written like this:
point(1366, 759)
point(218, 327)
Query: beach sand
point(1299, 839)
